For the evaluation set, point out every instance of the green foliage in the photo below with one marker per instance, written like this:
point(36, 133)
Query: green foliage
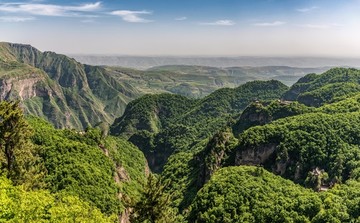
point(251, 194)
point(150, 113)
point(214, 111)
point(85, 165)
point(316, 90)
point(342, 105)
point(153, 206)
point(182, 171)
point(216, 153)
point(258, 113)
point(18, 158)
point(163, 124)
point(18, 205)
point(308, 141)
point(131, 163)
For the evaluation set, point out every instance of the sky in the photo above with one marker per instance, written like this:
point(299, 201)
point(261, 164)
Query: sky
point(185, 27)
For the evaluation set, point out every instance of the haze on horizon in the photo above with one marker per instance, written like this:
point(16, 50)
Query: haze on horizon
point(190, 27)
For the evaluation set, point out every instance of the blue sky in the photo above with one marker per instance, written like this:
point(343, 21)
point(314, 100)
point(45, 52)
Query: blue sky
point(186, 27)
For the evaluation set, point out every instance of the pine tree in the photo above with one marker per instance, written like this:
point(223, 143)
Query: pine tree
point(154, 204)
point(17, 154)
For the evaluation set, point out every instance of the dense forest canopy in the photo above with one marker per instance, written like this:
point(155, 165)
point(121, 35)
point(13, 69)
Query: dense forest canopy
point(260, 152)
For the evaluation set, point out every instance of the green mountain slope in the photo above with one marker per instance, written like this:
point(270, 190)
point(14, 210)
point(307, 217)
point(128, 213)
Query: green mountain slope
point(150, 113)
point(162, 124)
point(287, 138)
point(64, 91)
point(98, 170)
point(295, 146)
point(65, 175)
point(316, 90)
point(252, 194)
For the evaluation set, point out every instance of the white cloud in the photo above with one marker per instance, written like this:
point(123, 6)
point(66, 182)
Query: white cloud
point(224, 22)
point(304, 10)
point(276, 23)
point(181, 18)
point(15, 19)
point(132, 16)
point(49, 9)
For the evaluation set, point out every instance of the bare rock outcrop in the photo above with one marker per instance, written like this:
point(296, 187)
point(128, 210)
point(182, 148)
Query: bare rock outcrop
point(254, 155)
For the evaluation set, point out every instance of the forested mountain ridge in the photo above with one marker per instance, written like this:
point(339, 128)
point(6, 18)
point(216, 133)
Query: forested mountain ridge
point(315, 90)
point(60, 89)
point(314, 147)
point(161, 124)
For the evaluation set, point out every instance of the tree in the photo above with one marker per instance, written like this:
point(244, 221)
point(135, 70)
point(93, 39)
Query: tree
point(17, 153)
point(154, 203)
point(316, 178)
point(19, 205)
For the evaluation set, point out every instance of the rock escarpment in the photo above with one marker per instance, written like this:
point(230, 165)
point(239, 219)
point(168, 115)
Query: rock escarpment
point(60, 89)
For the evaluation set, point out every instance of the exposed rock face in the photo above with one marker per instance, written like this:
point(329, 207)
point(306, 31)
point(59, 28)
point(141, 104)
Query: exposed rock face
point(254, 155)
point(125, 216)
point(267, 155)
point(121, 175)
point(24, 88)
point(215, 155)
point(60, 89)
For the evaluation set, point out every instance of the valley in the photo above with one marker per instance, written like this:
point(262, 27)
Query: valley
point(176, 143)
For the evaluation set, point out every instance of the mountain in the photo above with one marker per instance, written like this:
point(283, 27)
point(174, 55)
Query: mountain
point(200, 81)
point(67, 93)
point(256, 124)
point(98, 169)
point(161, 124)
point(240, 154)
point(259, 152)
point(146, 62)
point(73, 95)
point(252, 194)
point(316, 90)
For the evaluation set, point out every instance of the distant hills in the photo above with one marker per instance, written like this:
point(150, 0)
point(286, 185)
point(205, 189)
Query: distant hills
point(145, 62)
point(74, 95)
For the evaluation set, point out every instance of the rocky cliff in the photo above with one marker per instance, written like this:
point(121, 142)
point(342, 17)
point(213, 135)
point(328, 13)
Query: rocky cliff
point(65, 92)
